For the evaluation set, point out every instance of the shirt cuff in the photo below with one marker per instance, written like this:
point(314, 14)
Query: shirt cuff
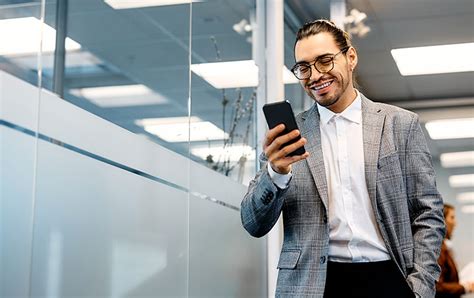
point(280, 180)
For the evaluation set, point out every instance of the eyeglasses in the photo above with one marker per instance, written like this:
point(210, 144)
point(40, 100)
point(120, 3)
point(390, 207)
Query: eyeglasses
point(323, 64)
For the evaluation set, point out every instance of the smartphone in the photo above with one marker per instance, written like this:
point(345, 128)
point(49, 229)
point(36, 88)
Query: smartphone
point(281, 112)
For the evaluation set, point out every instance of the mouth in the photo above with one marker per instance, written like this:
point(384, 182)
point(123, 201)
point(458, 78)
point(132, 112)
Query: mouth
point(321, 87)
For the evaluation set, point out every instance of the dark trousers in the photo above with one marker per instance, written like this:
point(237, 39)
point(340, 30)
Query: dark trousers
point(367, 280)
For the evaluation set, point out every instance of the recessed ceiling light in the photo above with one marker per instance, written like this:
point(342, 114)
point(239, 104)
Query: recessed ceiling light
point(465, 197)
point(457, 159)
point(182, 129)
point(233, 153)
point(466, 180)
point(22, 36)
point(451, 128)
point(234, 74)
point(120, 96)
point(467, 209)
point(126, 4)
point(434, 59)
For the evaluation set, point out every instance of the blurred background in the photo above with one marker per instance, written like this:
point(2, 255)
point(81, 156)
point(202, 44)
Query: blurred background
point(191, 78)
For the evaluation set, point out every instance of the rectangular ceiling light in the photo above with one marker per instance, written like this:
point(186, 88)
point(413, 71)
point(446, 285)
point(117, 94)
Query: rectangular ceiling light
point(178, 129)
point(467, 209)
point(120, 96)
point(466, 180)
point(218, 153)
point(434, 59)
point(457, 159)
point(127, 4)
point(451, 128)
point(22, 36)
point(465, 197)
point(234, 74)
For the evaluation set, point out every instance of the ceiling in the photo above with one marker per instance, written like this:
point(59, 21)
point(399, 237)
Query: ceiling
point(150, 46)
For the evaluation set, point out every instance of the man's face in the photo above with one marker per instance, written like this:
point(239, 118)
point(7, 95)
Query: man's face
point(327, 88)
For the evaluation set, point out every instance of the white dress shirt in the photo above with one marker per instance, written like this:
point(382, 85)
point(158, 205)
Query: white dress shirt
point(353, 231)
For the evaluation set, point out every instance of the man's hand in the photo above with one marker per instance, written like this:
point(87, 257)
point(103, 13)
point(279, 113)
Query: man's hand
point(276, 154)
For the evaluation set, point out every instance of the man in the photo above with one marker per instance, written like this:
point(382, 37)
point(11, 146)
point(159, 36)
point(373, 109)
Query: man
point(448, 285)
point(362, 216)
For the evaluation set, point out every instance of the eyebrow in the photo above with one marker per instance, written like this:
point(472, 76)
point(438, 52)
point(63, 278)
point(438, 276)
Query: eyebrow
point(302, 61)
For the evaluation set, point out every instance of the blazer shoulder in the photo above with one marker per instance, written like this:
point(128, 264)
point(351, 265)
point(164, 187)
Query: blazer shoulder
point(396, 114)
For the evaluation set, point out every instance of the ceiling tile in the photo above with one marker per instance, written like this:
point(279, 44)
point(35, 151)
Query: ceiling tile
point(384, 88)
point(442, 85)
point(402, 9)
point(429, 31)
point(376, 63)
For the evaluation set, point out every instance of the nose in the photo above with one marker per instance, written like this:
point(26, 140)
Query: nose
point(315, 74)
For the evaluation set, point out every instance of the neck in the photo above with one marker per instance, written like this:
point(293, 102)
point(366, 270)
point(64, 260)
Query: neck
point(345, 100)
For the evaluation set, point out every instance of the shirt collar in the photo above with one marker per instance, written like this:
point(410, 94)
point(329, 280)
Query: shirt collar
point(352, 113)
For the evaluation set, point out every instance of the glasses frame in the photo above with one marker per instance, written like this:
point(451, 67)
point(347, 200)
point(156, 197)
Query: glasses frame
point(313, 64)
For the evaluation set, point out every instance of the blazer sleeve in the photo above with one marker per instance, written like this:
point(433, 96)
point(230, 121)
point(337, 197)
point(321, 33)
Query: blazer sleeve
point(426, 212)
point(262, 204)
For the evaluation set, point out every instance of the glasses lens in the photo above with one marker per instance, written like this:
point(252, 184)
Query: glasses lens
point(303, 71)
point(324, 64)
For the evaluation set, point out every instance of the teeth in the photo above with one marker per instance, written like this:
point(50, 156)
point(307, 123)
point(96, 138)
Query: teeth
point(322, 86)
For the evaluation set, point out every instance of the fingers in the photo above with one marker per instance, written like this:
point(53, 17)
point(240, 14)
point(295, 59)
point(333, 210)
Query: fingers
point(283, 152)
point(272, 134)
point(278, 142)
point(277, 154)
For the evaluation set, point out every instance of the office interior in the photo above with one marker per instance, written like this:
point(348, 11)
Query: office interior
point(131, 129)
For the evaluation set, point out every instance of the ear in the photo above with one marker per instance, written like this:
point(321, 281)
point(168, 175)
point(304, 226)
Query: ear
point(352, 58)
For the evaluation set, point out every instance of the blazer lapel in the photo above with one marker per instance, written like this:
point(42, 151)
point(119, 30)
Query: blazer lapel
point(311, 131)
point(372, 125)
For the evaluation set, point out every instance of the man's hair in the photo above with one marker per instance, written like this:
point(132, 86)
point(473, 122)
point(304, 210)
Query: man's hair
point(446, 208)
point(341, 37)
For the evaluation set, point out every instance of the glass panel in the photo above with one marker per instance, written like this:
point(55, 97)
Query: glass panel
point(108, 203)
point(224, 260)
point(20, 37)
point(127, 64)
point(224, 81)
point(110, 234)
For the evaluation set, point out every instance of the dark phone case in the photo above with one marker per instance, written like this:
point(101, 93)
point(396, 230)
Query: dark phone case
point(281, 112)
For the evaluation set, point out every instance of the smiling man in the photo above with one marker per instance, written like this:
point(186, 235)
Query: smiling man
point(362, 216)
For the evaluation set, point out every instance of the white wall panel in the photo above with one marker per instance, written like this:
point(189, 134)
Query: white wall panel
point(224, 260)
point(16, 193)
point(105, 232)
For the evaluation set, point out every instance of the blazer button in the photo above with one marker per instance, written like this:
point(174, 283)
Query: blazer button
point(322, 260)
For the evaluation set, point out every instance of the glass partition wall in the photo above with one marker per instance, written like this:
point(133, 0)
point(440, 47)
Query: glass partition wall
point(19, 58)
point(122, 164)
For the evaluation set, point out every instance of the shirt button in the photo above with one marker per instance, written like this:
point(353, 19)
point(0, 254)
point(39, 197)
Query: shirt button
point(322, 260)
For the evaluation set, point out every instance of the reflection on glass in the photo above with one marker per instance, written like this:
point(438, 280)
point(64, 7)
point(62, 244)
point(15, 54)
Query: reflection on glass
point(55, 258)
point(234, 74)
point(120, 96)
point(183, 129)
point(29, 28)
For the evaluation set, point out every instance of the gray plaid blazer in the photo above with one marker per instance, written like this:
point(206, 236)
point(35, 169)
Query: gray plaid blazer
point(402, 189)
